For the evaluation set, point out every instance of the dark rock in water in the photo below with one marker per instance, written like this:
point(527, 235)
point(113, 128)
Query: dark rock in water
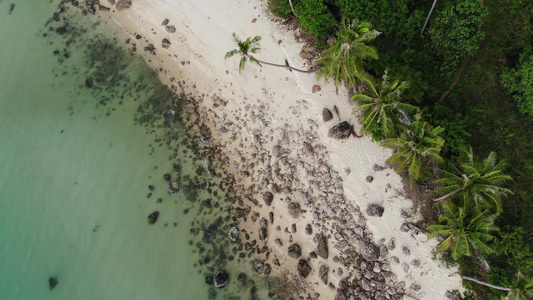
point(322, 249)
point(294, 209)
point(52, 282)
point(369, 178)
point(263, 234)
point(242, 278)
point(234, 234)
point(295, 251)
point(123, 4)
point(258, 266)
point(268, 197)
point(89, 82)
point(152, 218)
point(173, 187)
point(323, 274)
point(375, 210)
point(304, 268)
point(165, 22)
point(340, 131)
point(326, 115)
point(170, 28)
point(165, 43)
point(151, 187)
point(268, 269)
point(61, 30)
point(209, 279)
point(221, 279)
point(167, 176)
point(11, 8)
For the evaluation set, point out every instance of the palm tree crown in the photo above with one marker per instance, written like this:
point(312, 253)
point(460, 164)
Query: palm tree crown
point(344, 59)
point(382, 107)
point(482, 180)
point(246, 48)
point(416, 145)
point(466, 229)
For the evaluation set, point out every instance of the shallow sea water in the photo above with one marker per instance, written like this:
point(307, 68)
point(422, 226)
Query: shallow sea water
point(77, 163)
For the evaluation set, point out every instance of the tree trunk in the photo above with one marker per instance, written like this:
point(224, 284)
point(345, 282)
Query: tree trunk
point(457, 78)
point(427, 19)
point(486, 284)
point(286, 65)
point(292, 8)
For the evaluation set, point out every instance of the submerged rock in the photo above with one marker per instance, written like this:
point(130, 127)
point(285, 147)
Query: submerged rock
point(173, 187)
point(234, 234)
point(152, 218)
point(221, 279)
point(52, 282)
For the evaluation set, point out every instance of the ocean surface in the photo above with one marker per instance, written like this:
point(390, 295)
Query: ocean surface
point(87, 136)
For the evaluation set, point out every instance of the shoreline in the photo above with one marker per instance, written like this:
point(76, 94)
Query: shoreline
point(267, 122)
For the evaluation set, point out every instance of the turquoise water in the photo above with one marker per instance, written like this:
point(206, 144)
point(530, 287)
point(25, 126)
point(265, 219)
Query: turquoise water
point(86, 134)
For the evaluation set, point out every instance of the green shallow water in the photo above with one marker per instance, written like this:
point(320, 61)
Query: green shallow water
point(77, 163)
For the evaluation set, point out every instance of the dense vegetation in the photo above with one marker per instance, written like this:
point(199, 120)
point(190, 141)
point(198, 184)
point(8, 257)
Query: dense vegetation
point(470, 74)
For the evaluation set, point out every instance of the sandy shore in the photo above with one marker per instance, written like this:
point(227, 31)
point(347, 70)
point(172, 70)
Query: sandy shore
point(268, 123)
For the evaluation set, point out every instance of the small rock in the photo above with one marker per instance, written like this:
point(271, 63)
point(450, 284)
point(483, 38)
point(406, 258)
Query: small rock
point(170, 28)
point(165, 22)
point(294, 209)
point(308, 229)
point(152, 218)
point(323, 274)
point(258, 266)
point(263, 234)
point(123, 4)
point(268, 197)
point(173, 187)
point(377, 167)
point(52, 282)
point(375, 210)
point(326, 115)
point(340, 131)
point(317, 88)
point(406, 250)
point(234, 234)
point(322, 249)
point(369, 179)
point(165, 43)
point(254, 20)
point(295, 251)
point(304, 268)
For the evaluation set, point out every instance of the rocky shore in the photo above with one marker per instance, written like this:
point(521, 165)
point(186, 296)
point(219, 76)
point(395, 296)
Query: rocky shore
point(310, 216)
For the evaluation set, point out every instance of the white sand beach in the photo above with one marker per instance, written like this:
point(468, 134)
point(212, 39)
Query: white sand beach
point(268, 122)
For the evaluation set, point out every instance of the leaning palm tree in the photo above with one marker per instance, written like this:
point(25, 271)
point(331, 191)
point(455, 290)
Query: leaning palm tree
point(522, 290)
point(343, 60)
point(382, 107)
point(251, 46)
point(482, 180)
point(416, 147)
point(466, 229)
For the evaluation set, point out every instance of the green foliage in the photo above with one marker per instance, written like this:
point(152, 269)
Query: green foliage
point(314, 17)
point(382, 105)
point(519, 83)
point(456, 31)
point(281, 8)
point(466, 229)
point(343, 60)
point(416, 147)
point(250, 45)
point(480, 182)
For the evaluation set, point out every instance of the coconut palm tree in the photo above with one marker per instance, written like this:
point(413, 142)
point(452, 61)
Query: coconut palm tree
point(466, 229)
point(416, 147)
point(523, 289)
point(251, 46)
point(482, 180)
point(382, 107)
point(343, 60)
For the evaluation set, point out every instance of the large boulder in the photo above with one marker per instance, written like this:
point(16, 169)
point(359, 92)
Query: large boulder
point(221, 279)
point(322, 249)
point(295, 251)
point(340, 131)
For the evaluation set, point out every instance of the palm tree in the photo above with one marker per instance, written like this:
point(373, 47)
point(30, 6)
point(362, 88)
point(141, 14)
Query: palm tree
point(523, 289)
point(416, 147)
point(382, 107)
point(482, 180)
point(343, 61)
point(251, 46)
point(466, 229)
